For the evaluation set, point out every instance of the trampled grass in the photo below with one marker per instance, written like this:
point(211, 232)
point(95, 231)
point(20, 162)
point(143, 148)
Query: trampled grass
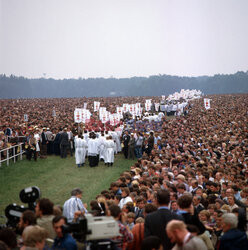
point(56, 178)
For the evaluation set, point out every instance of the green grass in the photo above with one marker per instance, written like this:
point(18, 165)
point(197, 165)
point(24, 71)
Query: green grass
point(56, 178)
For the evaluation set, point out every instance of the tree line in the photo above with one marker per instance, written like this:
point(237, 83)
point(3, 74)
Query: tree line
point(21, 87)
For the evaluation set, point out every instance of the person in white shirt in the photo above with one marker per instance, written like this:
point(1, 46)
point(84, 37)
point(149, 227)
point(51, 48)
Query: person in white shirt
point(109, 155)
point(93, 150)
point(80, 150)
point(74, 205)
point(102, 149)
point(125, 197)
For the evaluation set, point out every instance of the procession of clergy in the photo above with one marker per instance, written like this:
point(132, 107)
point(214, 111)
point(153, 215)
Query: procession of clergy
point(98, 146)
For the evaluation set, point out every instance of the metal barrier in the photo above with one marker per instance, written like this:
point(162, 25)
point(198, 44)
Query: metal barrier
point(14, 153)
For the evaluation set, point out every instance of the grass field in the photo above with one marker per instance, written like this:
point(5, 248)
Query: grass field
point(56, 177)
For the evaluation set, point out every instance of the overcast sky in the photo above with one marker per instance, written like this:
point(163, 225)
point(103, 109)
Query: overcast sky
point(122, 38)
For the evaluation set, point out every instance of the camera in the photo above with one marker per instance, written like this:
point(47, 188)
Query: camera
point(13, 212)
point(92, 228)
point(95, 232)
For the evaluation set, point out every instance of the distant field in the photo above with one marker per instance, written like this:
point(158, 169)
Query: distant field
point(56, 177)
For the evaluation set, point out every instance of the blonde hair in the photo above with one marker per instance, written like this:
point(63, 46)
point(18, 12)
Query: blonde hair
point(34, 234)
point(176, 224)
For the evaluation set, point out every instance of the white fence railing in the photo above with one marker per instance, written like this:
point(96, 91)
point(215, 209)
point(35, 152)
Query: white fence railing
point(12, 153)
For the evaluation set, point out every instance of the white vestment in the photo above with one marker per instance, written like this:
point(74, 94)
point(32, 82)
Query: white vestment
point(93, 147)
point(80, 150)
point(102, 149)
point(109, 156)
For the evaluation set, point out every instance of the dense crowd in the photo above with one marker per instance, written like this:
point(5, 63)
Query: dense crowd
point(187, 190)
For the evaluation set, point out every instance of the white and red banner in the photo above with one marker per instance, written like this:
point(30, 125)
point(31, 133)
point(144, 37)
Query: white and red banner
point(207, 103)
point(81, 115)
point(157, 106)
point(96, 106)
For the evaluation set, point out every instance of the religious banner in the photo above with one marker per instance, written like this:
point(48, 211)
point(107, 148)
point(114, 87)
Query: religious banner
point(132, 108)
point(85, 105)
point(104, 116)
point(25, 118)
point(96, 106)
point(148, 104)
point(114, 119)
point(119, 111)
point(125, 107)
point(102, 110)
point(207, 103)
point(157, 106)
point(77, 115)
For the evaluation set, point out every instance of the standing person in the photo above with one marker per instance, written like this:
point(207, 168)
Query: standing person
point(64, 142)
point(138, 145)
point(156, 222)
point(70, 138)
point(32, 147)
point(150, 143)
point(109, 155)
point(56, 146)
point(102, 149)
point(50, 139)
point(188, 212)
point(125, 140)
point(93, 150)
point(80, 150)
point(178, 233)
point(74, 204)
point(131, 146)
point(37, 137)
point(43, 145)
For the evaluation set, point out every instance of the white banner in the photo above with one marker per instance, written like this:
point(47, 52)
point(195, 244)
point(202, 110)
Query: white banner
point(96, 106)
point(207, 103)
point(25, 118)
point(125, 107)
point(78, 115)
point(157, 106)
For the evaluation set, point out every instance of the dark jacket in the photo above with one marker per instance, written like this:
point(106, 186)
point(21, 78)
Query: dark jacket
point(193, 220)
point(64, 139)
point(233, 240)
point(155, 224)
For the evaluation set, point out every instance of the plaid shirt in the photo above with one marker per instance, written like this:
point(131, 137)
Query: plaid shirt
point(125, 237)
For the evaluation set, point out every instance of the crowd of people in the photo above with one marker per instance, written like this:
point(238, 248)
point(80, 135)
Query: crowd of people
point(187, 190)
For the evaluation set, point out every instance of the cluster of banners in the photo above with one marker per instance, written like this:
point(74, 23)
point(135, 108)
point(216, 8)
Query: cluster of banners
point(185, 94)
point(82, 115)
